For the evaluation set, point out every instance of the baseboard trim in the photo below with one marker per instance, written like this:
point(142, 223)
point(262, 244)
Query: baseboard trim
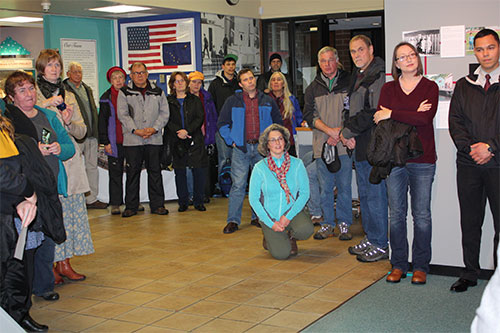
point(485, 274)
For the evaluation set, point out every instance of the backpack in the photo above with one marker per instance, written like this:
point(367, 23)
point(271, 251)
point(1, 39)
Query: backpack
point(225, 181)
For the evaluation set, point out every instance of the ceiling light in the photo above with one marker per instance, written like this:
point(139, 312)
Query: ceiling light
point(121, 9)
point(21, 19)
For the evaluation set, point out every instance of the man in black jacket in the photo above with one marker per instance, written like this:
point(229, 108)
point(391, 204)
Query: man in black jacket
point(366, 83)
point(475, 129)
point(275, 63)
point(88, 145)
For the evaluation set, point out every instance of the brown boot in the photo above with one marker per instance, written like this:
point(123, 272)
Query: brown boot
point(58, 278)
point(64, 268)
point(293, 243)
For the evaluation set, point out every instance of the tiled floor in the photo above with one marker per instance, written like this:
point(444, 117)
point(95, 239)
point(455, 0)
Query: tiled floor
point(179, 272)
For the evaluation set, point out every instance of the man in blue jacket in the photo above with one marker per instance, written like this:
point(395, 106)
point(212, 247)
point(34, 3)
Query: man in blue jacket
point(243, 117)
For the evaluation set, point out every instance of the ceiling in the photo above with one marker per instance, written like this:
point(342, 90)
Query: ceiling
point(33, 8)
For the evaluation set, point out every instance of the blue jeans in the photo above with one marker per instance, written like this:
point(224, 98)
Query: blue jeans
point(43, 280)
point(373, 201)
point(418, 177)
point(342, 180)
point(223, 151)
point(241, 163)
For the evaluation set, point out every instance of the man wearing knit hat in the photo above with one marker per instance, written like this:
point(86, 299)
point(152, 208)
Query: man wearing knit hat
point(275, 63)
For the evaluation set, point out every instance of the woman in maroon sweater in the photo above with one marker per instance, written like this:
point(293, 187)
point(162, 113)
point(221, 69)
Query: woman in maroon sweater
point(411, 99)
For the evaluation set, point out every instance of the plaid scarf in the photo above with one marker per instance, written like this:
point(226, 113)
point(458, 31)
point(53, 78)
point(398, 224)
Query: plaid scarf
point(281, 173)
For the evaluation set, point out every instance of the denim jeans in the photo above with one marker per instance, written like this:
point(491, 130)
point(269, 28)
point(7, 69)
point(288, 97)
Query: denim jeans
point(241, 163)
point(418, 177)
point(373, 201)
point(223, 151)
point(43, 280)
point(313, 202)
point(342, 180)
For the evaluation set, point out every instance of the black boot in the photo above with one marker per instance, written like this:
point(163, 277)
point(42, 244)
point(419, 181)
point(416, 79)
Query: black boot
point(30, 325)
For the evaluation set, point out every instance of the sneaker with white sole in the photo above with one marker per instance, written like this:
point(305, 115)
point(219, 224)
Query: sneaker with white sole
point(374, 253)
point(344, 231)
point(361, 247)
point(324, 232)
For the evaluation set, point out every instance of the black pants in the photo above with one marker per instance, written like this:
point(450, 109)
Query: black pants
point(16, 276)
point(115, 170)
point(475, 185)
point(134, 156)
point(199, 175)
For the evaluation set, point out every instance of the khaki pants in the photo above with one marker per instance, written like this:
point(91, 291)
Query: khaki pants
point(89, 151)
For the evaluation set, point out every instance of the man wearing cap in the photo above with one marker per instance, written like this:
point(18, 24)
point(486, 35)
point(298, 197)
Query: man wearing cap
point(244, 116)
point(143, 112)
point(88, 144)
point(275, 63)
point(223, 86)
point(209, 127)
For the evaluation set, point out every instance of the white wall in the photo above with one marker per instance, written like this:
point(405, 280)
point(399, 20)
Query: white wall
point(405, 15)
point(30, 38)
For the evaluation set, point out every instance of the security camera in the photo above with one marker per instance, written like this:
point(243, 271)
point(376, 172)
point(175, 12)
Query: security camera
point(45, 5)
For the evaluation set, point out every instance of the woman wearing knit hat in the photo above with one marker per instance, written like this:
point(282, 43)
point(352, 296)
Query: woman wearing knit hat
point(110, 135)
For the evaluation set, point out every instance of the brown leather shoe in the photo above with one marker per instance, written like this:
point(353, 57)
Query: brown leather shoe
point(419, 277)
point(97, 205)
point(255, 222)
point(58, 278)
point(160, 211)
point(230, 228)
point(64, 269)
point(395, 276)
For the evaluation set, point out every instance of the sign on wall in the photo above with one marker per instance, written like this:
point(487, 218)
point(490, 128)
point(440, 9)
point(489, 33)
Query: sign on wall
point(163, 45)
point(83, 51)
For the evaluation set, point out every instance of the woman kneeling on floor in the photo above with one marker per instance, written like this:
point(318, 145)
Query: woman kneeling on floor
point(279, 190)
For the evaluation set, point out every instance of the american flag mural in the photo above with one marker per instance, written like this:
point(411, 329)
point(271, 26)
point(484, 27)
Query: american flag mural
point(163, 45)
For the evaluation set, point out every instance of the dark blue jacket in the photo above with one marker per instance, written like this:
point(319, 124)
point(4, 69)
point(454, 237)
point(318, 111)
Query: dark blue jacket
point(231, 122)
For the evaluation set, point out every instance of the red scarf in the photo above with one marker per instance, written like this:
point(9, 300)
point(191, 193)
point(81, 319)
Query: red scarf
point(281, 173)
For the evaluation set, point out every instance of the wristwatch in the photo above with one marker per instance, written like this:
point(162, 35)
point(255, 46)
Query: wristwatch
point(489, 148)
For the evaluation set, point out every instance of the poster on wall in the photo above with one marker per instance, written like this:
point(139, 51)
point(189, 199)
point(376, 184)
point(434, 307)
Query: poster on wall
point(83, 51)
point(425, 41)
point(163, 45)
point(446, 87)
point(470, 33)
point(222, 35)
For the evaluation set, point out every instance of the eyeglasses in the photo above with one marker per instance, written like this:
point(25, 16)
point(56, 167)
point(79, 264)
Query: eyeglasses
point(139, 73)
point(406, 57)
point(276, 140)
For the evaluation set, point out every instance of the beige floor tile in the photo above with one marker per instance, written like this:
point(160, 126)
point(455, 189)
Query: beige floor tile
point(100, 293)
point(135, 298)
point(155, 329)
point(333, 294)
point(311, 280)
point(274, 275)
point(251, 314)
point(144, 315)
point(274, 301)
point(294, 320)
point(196, 291)
point(115, 326)
point(294, 266)
point(71, 304)
point(224, 326)
point(350, 284)
point(293, 290)
point(172, 303)
point(74, 323)
point(158, 287)
point(209, 308)
point(183, 321)
point(270, 329)
point(44, 316)
point(258, 286)
point(232, 295)
point(219, 281)
point(310, 305)
point(107, 310)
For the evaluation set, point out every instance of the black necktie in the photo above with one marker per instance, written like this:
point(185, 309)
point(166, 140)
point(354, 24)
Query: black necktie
point(487, 84)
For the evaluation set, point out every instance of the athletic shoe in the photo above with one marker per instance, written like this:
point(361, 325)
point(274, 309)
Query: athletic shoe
point(344, 231)
point(374, 253)
point(361, 247)
point(324, 232)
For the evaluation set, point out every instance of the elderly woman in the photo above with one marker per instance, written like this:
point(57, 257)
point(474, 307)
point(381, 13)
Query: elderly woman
point(56, 147)
point(111, 136)
point(186, 140)
point(279, 190)
point(52, 95)
point(288, 104)
point(410, 99)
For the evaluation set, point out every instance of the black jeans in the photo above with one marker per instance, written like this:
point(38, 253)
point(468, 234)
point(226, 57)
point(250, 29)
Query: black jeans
point(475, 185)
point(199, 175)
point(135, 156)
point(115, 170)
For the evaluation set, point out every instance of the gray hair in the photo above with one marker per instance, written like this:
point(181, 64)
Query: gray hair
point(264, 138)
point(328, 49)
point(74, 64)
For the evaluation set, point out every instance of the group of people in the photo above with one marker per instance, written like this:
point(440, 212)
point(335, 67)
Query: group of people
point(384, 129)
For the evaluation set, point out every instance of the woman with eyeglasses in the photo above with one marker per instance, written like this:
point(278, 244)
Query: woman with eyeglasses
point(411, 99)
point(279, 190)
point(186, 140)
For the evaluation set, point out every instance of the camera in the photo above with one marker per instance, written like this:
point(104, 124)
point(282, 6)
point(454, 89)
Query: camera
point(61, 107)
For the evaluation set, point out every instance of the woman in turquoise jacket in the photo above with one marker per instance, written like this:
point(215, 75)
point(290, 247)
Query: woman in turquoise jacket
point(279, 190)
